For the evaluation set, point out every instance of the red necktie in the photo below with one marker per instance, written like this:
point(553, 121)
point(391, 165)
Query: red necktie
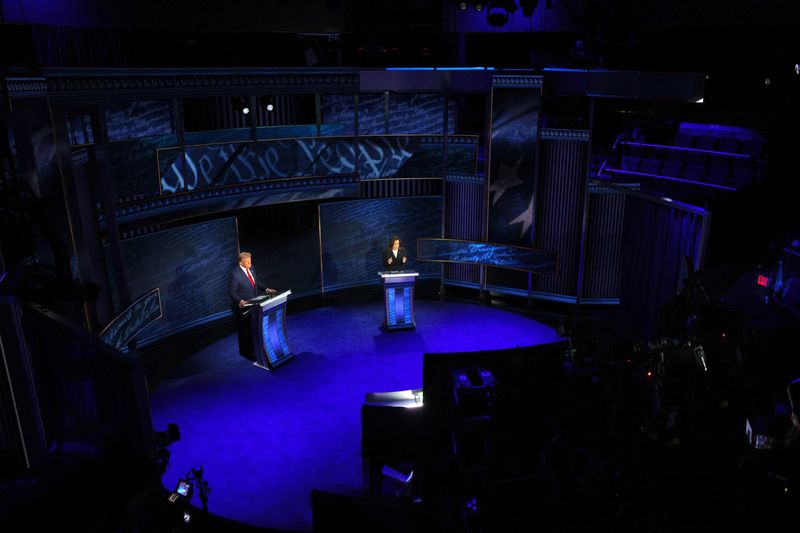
point(252, 282)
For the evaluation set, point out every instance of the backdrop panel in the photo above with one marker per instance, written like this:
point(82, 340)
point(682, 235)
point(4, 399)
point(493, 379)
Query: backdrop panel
point(512, 169)
point(515, 121)
point(419, 113)
point(603, 273)
point(141, 313)
point(485, 253)
point(126, 120)
point(355, 234)
point(655, 238)
point(397, 156)
point(134, 160)
point(408, 113)
point(464, 204)
point(561, 190)
point(284, 241)
point(189, 265)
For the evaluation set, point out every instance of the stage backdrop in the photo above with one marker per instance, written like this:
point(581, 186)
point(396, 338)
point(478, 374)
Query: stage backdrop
point(284, 241)
point(515, 119)
point(126, 120)
point(189, 264)
point(135, 159)
point(512, 169)
point(408, 113)
point(355, 234)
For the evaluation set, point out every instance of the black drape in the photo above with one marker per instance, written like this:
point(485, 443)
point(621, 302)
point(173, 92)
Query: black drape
point(656, 236)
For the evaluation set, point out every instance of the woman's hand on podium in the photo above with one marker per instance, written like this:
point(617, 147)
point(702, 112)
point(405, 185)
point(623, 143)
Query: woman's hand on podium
point(389, 261)
point(241, 304)
point(404, 260)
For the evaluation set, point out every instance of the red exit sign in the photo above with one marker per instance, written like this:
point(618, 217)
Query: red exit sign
point(762, 280)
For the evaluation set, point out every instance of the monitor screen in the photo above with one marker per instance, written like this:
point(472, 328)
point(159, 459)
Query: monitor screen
point(183, 488)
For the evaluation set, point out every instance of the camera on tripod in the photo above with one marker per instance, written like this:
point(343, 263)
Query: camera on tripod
point(185, 488)
point(183, 491)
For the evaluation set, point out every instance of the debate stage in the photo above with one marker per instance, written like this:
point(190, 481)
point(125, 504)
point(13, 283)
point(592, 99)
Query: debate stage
point(266, 439)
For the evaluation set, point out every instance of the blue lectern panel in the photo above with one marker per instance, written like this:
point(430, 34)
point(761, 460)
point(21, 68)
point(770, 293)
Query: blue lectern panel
point(281, 332)
point(268, 333)
point(269, 341)
point(399, 295)
point(407, 308)
point(391, 306)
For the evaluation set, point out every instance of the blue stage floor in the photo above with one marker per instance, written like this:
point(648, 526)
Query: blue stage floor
point(266, 439)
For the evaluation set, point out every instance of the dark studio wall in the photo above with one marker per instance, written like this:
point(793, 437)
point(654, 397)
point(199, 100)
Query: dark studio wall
point(314, 190)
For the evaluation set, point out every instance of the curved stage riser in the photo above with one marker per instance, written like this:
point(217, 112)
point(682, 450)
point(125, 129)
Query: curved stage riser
point(272, 437)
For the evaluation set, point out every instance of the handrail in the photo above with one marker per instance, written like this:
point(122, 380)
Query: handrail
point(667, 202)
point(686, 149)
point(616, 142)
point(602, 167)
point(670, 178)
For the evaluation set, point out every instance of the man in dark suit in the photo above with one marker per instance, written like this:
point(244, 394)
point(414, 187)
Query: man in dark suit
point(244, 286)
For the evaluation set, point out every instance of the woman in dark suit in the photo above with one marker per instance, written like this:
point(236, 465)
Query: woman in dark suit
point(394, 258)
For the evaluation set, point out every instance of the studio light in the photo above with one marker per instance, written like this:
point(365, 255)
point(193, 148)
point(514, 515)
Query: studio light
point(463, 5)
point(497, 12)
point(410, 399)
point(239, 105)
point(267, 103)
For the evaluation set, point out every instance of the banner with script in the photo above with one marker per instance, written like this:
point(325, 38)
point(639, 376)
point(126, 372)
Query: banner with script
point(137, 316)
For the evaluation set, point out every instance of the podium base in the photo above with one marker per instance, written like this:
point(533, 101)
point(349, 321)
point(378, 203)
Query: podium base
point(398, 327)
point(262, 367)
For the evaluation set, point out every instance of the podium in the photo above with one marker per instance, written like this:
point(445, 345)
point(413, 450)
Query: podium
point(268, 323)
point(398, 297)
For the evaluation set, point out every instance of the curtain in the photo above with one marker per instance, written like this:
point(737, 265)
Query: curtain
point(656, 236)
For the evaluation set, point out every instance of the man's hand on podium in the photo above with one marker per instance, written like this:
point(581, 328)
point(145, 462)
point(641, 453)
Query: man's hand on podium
point(272, 291)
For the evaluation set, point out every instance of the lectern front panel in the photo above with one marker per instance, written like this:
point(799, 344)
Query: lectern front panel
point(398, 292)
point(269, 329)
point(399, 306)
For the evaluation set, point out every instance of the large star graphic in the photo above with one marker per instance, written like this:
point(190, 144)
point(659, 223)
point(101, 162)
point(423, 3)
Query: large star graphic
point(508, 179)
point(526, 218)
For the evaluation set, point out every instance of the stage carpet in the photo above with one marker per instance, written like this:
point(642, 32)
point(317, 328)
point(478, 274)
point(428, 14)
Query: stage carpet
point(266, 439)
